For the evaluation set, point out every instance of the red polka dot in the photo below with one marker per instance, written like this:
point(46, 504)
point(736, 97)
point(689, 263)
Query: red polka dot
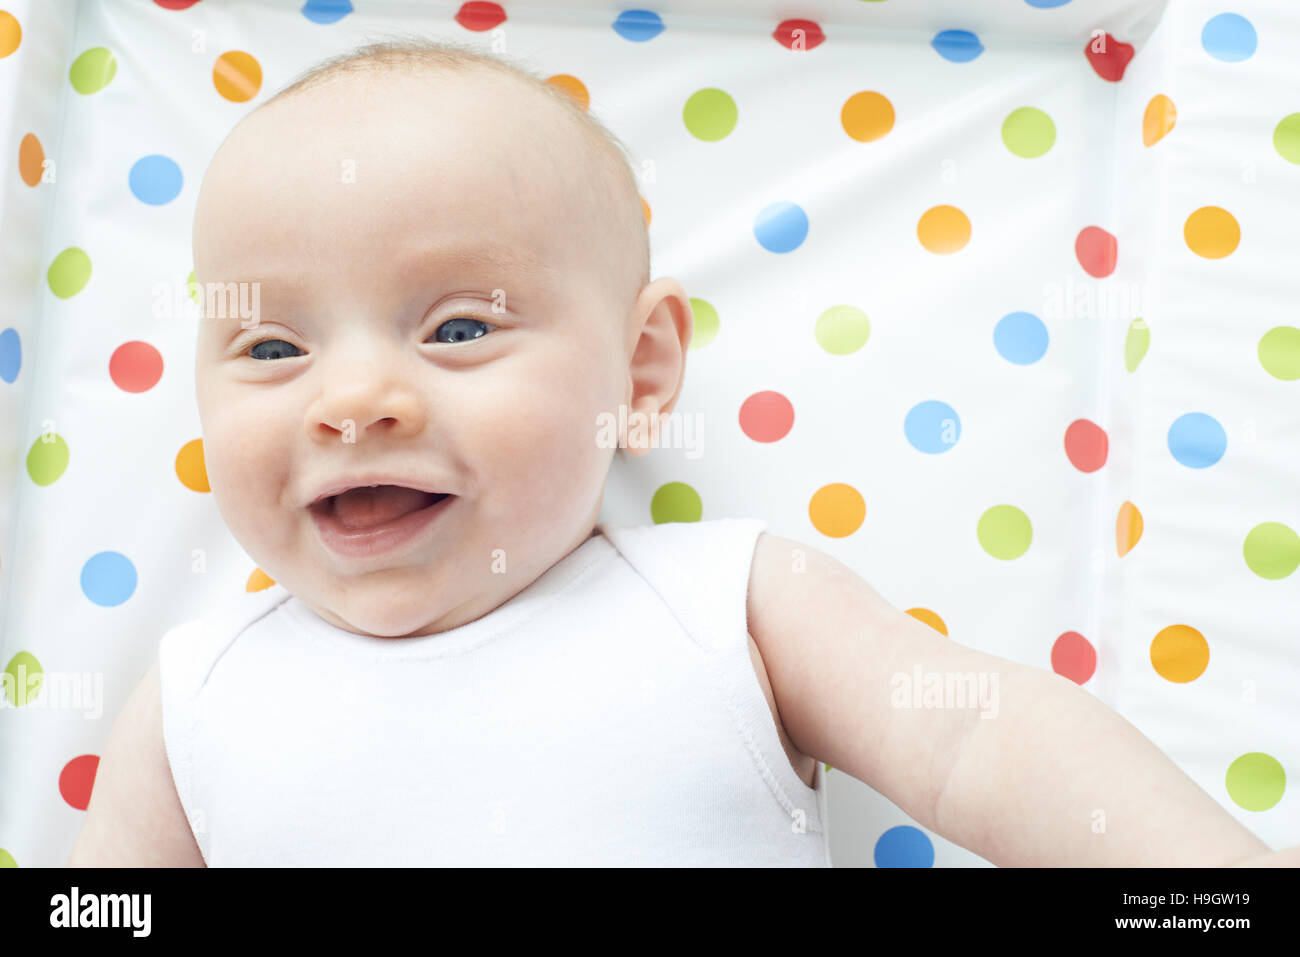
point(479, 16)
point(175, 4)
point(784, 34)
point(1086, 445)
point(1108, 56)
point(766, 416)
point(77, 778)
point(135, 367)
point(1097, 251)
point(1074, 657)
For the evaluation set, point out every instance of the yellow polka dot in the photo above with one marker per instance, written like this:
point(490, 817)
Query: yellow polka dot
point(1180, 653)
point(837, 510)
point(867, 116)
point(1212, 232)
point(943, 230)
point(1158, 119)
point(190, 468)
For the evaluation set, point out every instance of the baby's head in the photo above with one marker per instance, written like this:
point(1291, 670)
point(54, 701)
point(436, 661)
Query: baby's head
point(451, 274)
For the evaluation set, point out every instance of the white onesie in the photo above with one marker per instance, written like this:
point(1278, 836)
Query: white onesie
point(607, 715)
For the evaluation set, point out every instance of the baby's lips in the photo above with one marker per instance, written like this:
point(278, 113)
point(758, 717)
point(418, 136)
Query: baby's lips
point(348, 483)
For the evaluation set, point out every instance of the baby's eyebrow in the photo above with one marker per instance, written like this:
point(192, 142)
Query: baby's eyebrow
point(490, 260)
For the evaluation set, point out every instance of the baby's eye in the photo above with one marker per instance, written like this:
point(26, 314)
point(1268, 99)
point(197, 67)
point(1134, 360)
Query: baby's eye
point(276, 351)
point(461, 328)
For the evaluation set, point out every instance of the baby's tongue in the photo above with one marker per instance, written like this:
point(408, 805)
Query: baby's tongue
point(364, 507)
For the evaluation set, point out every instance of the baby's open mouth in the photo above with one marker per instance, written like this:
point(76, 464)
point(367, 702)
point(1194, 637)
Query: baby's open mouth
point(370, 506)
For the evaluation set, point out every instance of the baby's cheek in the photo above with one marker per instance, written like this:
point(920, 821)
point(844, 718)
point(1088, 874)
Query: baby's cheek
point(539, 455)
point(246, 461)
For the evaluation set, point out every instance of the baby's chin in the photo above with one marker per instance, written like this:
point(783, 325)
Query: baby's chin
point(391, 611)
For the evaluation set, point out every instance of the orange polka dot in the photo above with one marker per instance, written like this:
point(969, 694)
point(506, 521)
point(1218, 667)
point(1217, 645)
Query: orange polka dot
point(837, 510)
point(190, 467)
point(1128, 528)
point(31, 160)
point(259, 581)
point(572, 86)
point(867, 116)
point(943, 230)
point(1212, 232)
point(930, 618)
point(11, 33)
point(645, 210)
point(1180, 653)
point(237, 76)
point(1158, 119)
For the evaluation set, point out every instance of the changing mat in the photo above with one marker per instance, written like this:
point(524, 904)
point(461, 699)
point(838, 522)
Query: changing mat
point(996, 303)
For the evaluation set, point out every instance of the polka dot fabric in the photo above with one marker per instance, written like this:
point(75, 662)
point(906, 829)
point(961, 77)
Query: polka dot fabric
point(999, 316)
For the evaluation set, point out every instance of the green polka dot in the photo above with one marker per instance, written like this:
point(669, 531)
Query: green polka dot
point(1255, 781)
point(1028, 132)
point(93, 70)
point(19, 688)
point(69, 272)
point(676, 502)
point(1279, 352)
point(710, 114)
point(7, 859)
point(192, 287)
point(706, 323)
point(1272, 550)
point(842, 329)
point(1286, 138)
point(1004, 532)
point(47, 460)
point(1136, 344)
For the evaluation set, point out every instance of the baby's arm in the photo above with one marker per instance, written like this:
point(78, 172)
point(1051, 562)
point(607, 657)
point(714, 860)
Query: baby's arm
point(135, 818)
point(1055, 778)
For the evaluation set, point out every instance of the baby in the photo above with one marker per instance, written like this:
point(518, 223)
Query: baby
point(448, 262)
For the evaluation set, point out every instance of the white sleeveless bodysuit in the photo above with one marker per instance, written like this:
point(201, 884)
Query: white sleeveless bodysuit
point(607, 715)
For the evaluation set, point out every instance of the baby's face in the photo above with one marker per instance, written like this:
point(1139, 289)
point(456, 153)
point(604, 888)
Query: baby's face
point(429, 310)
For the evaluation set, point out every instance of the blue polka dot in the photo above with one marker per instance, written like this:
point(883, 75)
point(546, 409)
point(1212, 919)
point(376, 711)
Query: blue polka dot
point(1020, 337)
point(1229, 36)
point(638, 25)
point(932, 427)
point(1046, 4)
point(108, 578)
point(1197, 440)
point(155, 180)
point(904, 846)
point(326, 11)
point(781, 227)
point(959, 46)
point(11, 355)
